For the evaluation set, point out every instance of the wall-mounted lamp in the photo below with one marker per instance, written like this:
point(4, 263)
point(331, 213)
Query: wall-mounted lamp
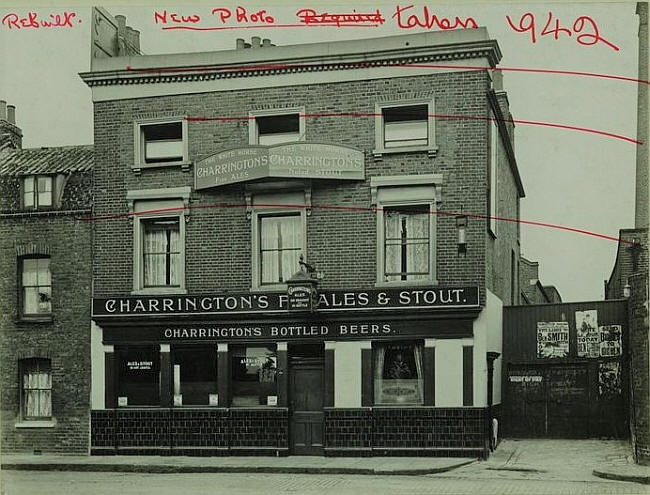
point(461, 225)
point(627, 290)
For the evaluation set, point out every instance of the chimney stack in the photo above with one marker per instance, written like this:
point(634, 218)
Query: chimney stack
point(10, 133)
point(642, 122)
point(255, 41)
point(266, 42)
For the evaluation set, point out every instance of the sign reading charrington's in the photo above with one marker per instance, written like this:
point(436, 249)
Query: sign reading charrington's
point(294, 160)
point(277, 302)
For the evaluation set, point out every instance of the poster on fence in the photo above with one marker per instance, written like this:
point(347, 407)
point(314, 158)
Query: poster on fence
point(587, 333)
point(609, 379)
point(610, 340)
point(552, 339)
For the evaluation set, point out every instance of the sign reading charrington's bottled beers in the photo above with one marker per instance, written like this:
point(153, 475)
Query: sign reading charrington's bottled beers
point(294, 160)
point(277, 302)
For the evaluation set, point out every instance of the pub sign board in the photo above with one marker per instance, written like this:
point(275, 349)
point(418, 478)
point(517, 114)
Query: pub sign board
point(291, 160)
point(277, 302)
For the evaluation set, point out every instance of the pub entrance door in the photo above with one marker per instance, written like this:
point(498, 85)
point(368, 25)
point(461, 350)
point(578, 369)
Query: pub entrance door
point(306, 400)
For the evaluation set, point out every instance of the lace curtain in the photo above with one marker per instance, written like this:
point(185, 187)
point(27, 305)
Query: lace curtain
point(37, 393)
point(398, 376)
point(407, 235)
point(162, 253)
point(280, 245)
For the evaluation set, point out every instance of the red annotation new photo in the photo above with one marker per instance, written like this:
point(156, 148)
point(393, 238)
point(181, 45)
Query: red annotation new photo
point(591, 36)
point(32, 20)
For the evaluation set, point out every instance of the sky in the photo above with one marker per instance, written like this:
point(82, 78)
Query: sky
point(571, 178)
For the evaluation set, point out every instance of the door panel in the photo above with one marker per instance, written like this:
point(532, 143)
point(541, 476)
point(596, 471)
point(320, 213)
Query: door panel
point(306, 408)
point(568, 402)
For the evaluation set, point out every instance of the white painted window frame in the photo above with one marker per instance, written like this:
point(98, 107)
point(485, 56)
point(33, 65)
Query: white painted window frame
point(253, 132)
point(263, 211)
point(431, 148)
point(151, 199)
point(138, 144)
point(406, 190)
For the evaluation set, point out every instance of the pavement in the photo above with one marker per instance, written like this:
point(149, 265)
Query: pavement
point(537, 460)
point(236, 464)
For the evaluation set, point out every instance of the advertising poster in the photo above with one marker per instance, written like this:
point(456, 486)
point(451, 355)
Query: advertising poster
point(609, 379)
point(610, 340)
point(552, 339)
point(587, 332)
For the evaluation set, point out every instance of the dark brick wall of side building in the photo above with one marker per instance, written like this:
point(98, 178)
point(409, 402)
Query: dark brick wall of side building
point(640, 367)
point(631, 258)
point(65, 340)
point(341, 243)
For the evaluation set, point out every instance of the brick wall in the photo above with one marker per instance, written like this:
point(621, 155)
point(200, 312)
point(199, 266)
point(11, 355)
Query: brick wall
point(65, 340)
point(640, 367)
point(630, 259)
point(342, 244)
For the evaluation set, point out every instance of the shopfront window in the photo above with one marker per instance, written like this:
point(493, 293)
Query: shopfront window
point(195, 374)
point(139, 376)
point(398, 373)
point(254, 376)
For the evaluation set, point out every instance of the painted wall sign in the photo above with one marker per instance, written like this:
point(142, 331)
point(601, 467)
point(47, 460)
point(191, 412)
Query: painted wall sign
point(552, 339)
point(247, 303)
point(587, 333)
point(298, 330)
point(294, 160)
point(610, 340)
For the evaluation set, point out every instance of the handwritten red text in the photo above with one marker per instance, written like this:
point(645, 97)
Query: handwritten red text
point(311, 17)
point(64, 20)
point(591, 35)
point(428, 20)
point(165, 17)
point(243, 16)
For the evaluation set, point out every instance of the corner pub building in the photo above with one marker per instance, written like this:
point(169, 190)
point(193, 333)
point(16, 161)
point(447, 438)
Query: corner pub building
point(276, 269)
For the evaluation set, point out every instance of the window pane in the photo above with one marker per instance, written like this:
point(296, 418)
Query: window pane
point(398, 373)
point(414, 133)
point(405, 113)
point(274, 124)
point(30, 300)
point(270, 267)
point(37, 385)
point(44, 191)
point(198, 374)
point(28, 196)
point(253, 375)
point(138, 375)
point(29, 184)
point(163, 142)
point(44, 277)
point(30, 272)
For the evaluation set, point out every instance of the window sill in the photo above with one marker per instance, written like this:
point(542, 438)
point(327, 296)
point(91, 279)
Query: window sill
point(378, 153)
point(158, 291)
point(51, 423)
point(270, 288)
point(184, 165)
point(34, 319)
point(407, 283)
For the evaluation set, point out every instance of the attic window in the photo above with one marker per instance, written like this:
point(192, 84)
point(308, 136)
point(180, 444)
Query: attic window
point(37, 191)
point(162, 142)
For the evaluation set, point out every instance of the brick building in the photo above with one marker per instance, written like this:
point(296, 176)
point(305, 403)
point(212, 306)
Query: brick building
point(298, 258)
point(45, 282)
point(532, 290)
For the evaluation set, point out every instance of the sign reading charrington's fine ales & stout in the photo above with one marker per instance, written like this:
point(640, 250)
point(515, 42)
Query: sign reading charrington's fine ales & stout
point(277, 302)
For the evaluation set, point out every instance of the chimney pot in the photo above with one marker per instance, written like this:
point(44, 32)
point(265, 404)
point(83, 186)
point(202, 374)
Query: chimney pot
point(121, 22)
point(3, 110)
point(239, 45)
point(11, 114)
point(255, 41)
point(266, 42)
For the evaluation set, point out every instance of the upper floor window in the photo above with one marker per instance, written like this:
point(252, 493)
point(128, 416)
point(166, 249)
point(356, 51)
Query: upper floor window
point(406, 242)
point(37, 191)
point(269, 127)
point(160, 143)
point(406, 228)
point(281, 242)
point(161, 252)
point(36, 286)
point(159, 239)
point(36, 393)
point(405, 125)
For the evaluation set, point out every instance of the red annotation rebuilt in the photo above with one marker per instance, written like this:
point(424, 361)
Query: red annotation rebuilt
point(32, 20)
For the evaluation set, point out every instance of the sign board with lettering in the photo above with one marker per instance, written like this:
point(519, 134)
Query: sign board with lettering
point(291, 160)
point(300, 297)
point(290, 330)
point(277, 302)
point(552, 339)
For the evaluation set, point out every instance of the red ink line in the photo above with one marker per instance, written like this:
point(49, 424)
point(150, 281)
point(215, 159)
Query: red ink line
point(221, 28)
point(442, 117)
point(354, 208)
point(371, 65)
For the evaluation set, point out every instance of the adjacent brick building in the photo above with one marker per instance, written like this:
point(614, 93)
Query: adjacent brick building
point(532, 290)
point(45, 288)
point(300, 258)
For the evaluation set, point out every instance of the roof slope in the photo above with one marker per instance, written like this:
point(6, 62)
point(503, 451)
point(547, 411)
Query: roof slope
point(59, 159)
